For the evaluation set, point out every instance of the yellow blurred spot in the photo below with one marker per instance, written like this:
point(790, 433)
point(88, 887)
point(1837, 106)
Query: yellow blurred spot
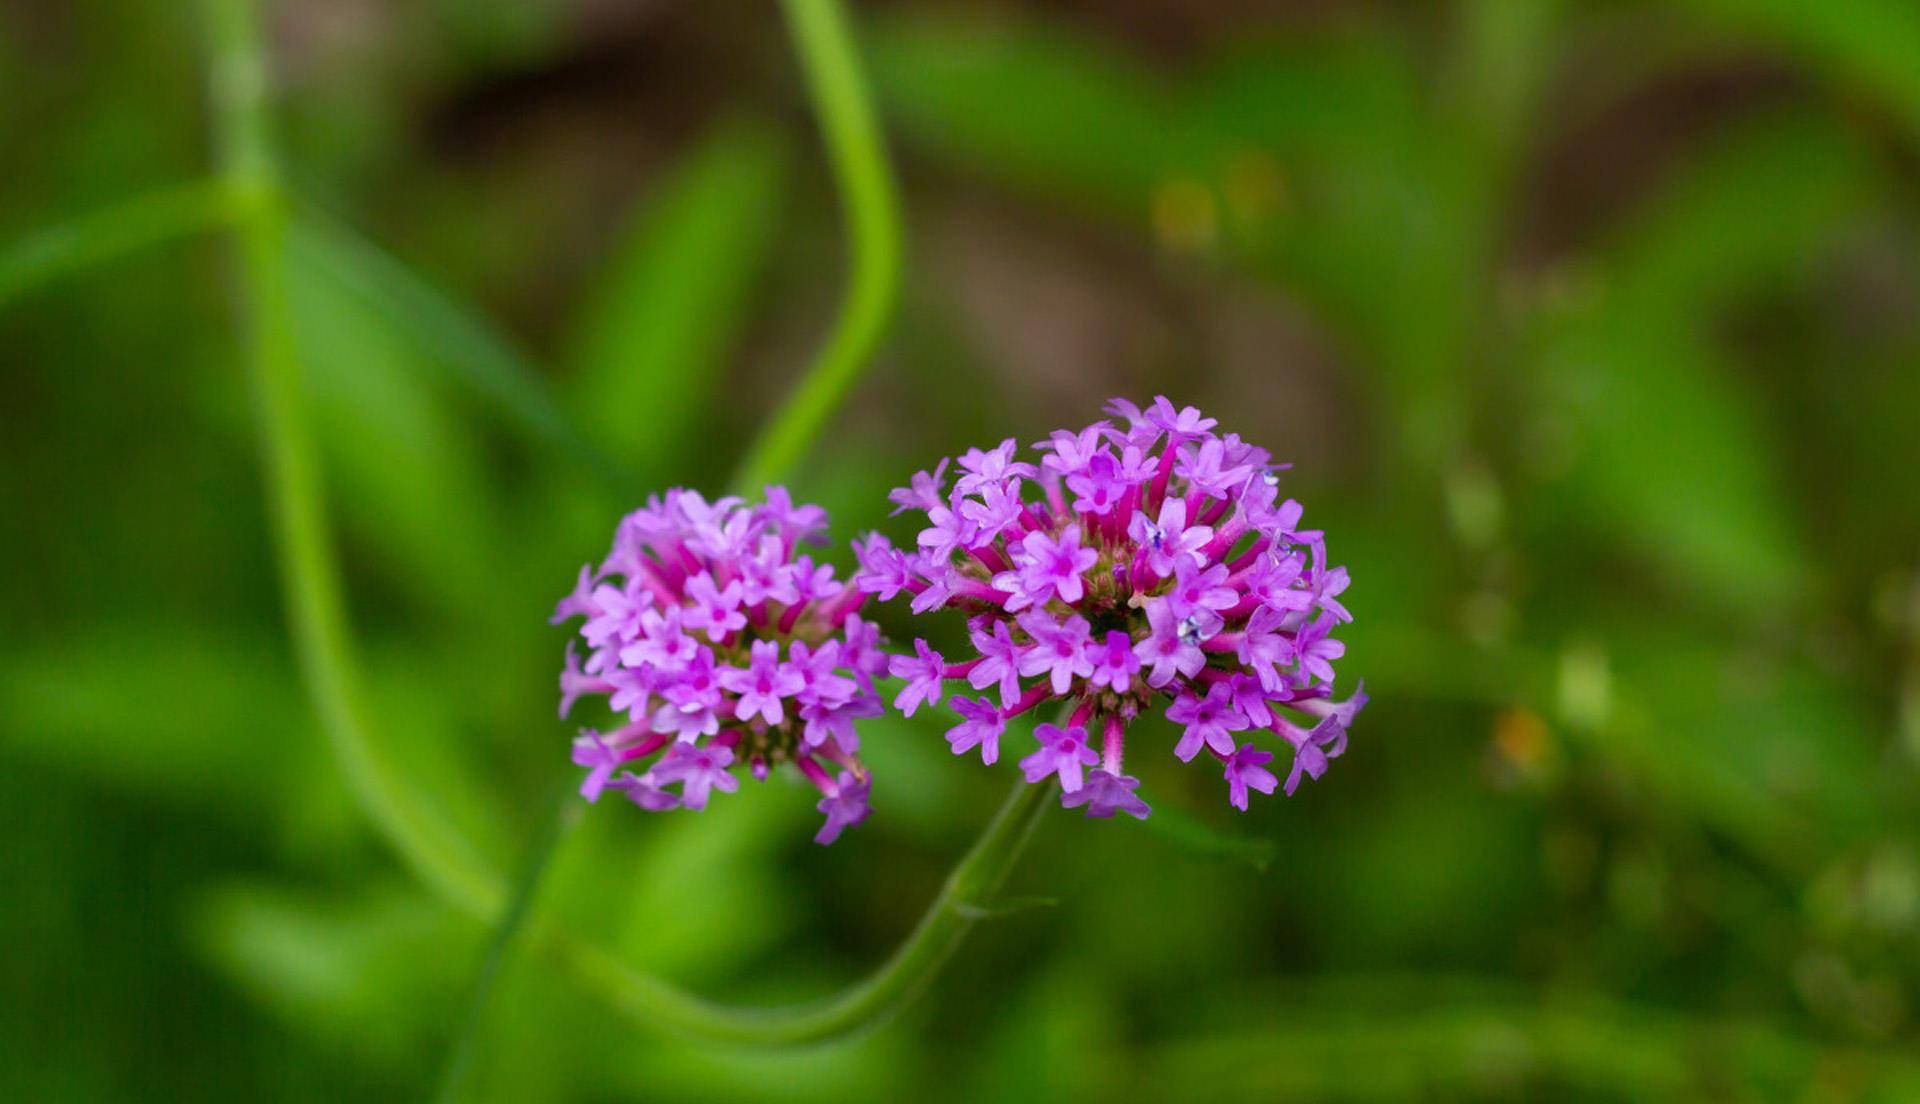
point(1521, 737)
point(1184, 215)
point(1255, 187)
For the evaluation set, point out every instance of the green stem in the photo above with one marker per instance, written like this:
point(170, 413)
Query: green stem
point(309, 575)
point(871, 208)
point(563, 811)
point(963, 900)
point(101, 236)
point(425, 842)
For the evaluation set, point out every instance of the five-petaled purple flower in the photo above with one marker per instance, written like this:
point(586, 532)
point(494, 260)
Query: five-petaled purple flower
point(725, 646)
point(1063, 752)
point(1146, 562)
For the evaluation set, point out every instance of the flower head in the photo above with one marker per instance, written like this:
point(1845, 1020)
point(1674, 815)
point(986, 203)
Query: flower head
point(1144, 563)
point(723, 649)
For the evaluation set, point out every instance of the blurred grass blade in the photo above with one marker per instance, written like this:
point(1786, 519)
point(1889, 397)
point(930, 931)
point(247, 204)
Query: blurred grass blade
point(563, 812)
point(1053, 112)
point(102, 236)
point(405, 465)
point(649, 351)
point(870, 209)
point(456, 337)
point(368, 973)
point(1661, 432)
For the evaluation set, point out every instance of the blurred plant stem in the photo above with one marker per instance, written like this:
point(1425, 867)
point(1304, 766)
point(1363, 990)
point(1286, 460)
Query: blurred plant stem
point(563, 812)
point(102, 236)
point(966, 898)
point(309, 574)
point(426, 843)
point(870, 206)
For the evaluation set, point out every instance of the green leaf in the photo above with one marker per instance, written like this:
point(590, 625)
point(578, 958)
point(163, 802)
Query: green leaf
point(1872, 43)
point(1665, 452)
point(376, 975)
point(649, 350)
point(444, 333)
point(99, 237)
point(408, 472)
point(164, 709)
point(1038, 106)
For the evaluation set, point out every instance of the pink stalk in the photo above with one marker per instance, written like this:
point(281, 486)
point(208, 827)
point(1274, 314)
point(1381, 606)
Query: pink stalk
point(1114, 742)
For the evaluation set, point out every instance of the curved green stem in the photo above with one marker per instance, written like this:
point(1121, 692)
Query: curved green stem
point(430, 846)
point(563, 810)
point(139, 223)
point(871, 208)
point(963, 901)
point(309, 575)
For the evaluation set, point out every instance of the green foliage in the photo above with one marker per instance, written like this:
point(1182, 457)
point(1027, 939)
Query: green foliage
point(1608, 406)
point(648, 352)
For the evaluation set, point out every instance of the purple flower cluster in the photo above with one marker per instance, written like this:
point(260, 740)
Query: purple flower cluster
point(1133, 564)
point(721, 647)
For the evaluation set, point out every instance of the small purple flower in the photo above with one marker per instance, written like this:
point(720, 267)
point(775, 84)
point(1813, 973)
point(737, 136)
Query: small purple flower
point(1265, 650)
point(1051, 568)
point(793, 522)
point(1059, 650)
point(1100, 486)
point(715, 609)
point(1063, 751)
point(762, 684)
point(996, 511)
point(862, 648)
point(580, 602)
point(573, 683)
point(983, 467)
point(1170, 540)
point(662, 642)
point(644, 790)
point(699, 770)
point(980, 726)
point(1246, 769)
point(616, 615)
point(1200, 592)
point(923, 672)
point(1186, 422)
point(1274, 582)
point(1106, 794)
point(1207, 470)
point(1316, 651)
point(999, 662)
point(1114, 663)
point(845, 807)
point(949, 531)
point(833, 721)
point(1209, 721)
point(1250, 698)
point(884, 570)
point(1167, 649)
point(922, 492)
point(1069, 452)
point(591, 751)
point(1311, 750)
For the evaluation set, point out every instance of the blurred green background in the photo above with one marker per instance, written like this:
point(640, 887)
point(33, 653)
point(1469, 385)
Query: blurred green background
point(1590, 327)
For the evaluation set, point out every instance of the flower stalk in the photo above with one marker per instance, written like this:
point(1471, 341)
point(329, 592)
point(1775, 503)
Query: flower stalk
point(431, 848)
